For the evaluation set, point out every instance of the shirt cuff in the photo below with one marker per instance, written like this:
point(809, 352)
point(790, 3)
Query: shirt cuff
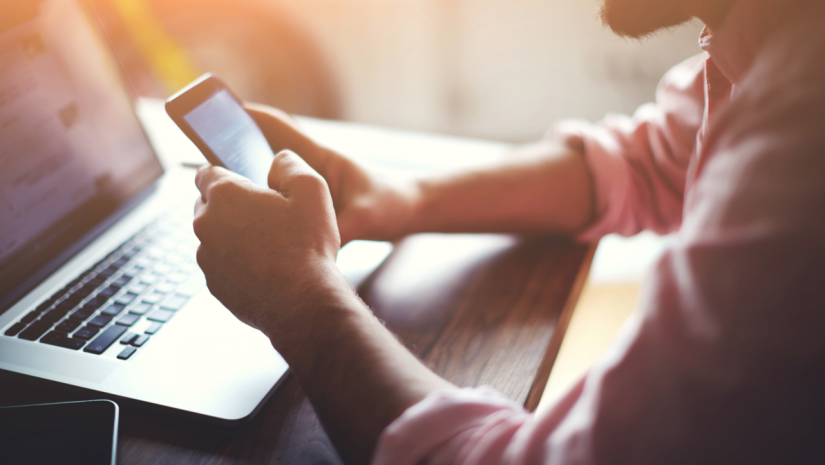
point(608, 176)
point(440, 424)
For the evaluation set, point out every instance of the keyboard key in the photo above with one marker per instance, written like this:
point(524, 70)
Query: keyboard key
point(84, 312)
point(30, 317)
point(177, 278)
point(168, 243)
point(45, 305)
point(113, 268)
point(162, 269)
point(128, 338)
point(73, 299)
point(141, 308)
point(54, 315)
point(138, 288)
point(128, 319)
point(68, 325)
point(107, 273)
point(61, 340)
point(165, 288)
point(113, 310)
point(126, 298)
point(192, 286)
point(100, 321)
point(86, 332)
point(35, 330)
point(110, 291)
point(84, 292)
point(175, 259)
point(61, 310)
point(175, 302)
point(67, 289)
point(15, 328)
point(126, 353)
point(160, 315)
point(190, 267)
point(64, 305)
point(122, 281)
point(156, 253)
point(132, 272)
point(153, 328)
point(150, 279)
point(140, 340)
point(154, 297)
point(131, 253)
point(97, 302)
point(106, 338)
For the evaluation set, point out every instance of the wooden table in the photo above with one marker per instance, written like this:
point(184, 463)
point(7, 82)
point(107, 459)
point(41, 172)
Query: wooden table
point(478, 310)
point(607, 300)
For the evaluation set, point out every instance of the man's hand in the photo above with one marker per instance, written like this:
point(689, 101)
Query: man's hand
point(269, 257)
point(368, 206)
point(268, 254)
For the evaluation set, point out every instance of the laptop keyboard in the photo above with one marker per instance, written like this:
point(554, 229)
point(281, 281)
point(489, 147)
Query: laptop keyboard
point(126, 297)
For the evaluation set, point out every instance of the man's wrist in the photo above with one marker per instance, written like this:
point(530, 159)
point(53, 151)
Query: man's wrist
point(325, 304)
point(415, 192)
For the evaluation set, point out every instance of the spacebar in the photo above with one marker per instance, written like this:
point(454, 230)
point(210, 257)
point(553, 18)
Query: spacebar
point(102, 342)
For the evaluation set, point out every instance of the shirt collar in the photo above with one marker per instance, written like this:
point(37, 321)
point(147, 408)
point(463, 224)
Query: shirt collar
point(734, 44)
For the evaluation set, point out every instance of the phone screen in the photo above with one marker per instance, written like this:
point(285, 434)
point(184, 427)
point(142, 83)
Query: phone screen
point(70, 432)
point(228, 130)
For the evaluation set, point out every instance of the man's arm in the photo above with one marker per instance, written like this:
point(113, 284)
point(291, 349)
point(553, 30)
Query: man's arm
point(540, 188)
point(269, 256)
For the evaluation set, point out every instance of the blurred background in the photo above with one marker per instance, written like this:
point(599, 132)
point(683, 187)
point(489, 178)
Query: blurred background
point(493, 69)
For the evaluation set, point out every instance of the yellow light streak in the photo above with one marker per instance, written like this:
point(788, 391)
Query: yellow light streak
point(169, 60)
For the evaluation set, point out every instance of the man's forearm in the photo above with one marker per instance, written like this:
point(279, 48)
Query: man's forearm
point(357, 375)
point(542, 188)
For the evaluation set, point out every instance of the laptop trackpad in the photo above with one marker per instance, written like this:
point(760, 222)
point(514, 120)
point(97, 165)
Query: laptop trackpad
point(45, 361)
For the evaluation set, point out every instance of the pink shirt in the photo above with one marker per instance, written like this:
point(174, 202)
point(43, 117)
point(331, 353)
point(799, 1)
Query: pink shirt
point(725, 360)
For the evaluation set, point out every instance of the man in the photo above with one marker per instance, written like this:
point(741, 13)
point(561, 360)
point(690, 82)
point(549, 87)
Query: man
point(724, 362)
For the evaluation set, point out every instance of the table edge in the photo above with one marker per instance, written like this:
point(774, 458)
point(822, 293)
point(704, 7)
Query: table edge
point(536, 391)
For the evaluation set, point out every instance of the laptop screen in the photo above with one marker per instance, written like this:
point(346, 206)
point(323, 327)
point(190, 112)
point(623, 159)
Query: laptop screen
point(71, 148)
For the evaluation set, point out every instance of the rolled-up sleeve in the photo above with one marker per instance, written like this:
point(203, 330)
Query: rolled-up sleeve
point(639, 164)
point(452, 426)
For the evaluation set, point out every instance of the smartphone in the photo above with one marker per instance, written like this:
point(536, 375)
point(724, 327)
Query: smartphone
point(68, 433)
point(213, 117)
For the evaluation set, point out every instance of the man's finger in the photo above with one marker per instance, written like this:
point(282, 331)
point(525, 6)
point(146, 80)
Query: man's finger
point(199, 226)
point(200, 204)
point(291, 174)
point(280, 129)
point(208, 175)
point(283, 133)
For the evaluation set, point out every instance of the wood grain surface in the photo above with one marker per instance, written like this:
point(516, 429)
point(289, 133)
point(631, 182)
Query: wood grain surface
point(477, 309)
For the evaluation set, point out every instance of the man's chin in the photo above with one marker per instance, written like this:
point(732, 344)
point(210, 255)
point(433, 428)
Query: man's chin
point(640, 18)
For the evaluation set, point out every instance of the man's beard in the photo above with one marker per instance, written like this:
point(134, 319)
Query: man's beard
point(640, 18)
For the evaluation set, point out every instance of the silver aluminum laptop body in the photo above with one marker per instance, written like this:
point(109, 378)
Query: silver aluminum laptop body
point(78, 179)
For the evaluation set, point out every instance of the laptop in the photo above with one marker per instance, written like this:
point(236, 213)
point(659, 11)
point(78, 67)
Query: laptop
point(99, 287)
